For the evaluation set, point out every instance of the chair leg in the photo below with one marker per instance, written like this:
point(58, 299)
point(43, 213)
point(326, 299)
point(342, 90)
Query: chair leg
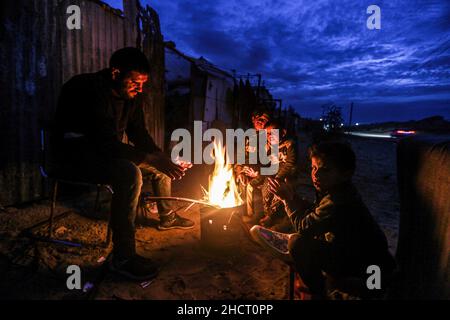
point(109, 230)
point(52, 208)
point(140, 208)
point(108, 234)
point(97, 199)
point(291, 283)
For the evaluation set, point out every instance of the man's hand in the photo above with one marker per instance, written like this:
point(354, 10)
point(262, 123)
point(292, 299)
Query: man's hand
point(163, 163)
point(184, 164)
point(281, 189)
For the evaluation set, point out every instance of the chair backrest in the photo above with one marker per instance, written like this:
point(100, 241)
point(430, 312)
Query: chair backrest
point(42, 168)
point(47, 154)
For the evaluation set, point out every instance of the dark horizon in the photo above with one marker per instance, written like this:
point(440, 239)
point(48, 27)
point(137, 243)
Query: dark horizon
point(372, 113)
point(311, 54)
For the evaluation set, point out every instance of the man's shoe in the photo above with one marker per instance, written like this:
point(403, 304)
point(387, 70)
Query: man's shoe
point(174, 221)
point(136, 268)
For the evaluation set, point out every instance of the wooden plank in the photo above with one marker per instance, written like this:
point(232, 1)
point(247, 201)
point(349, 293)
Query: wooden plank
point(101, 31)
point(109, 31)
point(92, 39)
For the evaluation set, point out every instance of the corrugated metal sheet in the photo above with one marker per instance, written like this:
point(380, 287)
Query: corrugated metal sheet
point(152, 43)
point(38, 55)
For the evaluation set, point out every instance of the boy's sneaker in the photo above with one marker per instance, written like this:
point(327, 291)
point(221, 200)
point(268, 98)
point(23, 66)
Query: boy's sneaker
point(135, 268)
point(275, 242)
point(174, 221)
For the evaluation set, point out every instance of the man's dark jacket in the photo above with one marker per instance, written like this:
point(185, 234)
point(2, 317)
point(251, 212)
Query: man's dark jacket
point(91, 120)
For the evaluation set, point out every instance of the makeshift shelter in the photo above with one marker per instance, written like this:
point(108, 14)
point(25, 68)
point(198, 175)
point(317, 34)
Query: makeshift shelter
point(197, 91)
point(423, 252)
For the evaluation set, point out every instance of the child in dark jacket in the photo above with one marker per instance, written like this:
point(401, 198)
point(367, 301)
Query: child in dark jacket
point(337, 234)
point(274, 216)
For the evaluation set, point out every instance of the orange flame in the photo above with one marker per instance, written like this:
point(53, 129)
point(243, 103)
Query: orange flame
point(222, 191)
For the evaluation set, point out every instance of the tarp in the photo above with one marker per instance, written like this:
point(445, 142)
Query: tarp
point(423, 250)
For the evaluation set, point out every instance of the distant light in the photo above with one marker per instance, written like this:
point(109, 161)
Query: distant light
point(342, 124)
point(321, 119)
point(357, 123)
point(406, 131)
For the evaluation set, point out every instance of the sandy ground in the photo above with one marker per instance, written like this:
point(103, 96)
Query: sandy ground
point(376, 180)
point(37, 270)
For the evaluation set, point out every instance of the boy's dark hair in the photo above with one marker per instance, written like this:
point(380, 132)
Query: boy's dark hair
point(338, 153)
point(260, 112)
point(129, 59)
point(274, 123)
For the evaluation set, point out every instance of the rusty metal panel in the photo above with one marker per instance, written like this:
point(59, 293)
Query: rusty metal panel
point(38, 55)
point(153, 46)
point(26, 42)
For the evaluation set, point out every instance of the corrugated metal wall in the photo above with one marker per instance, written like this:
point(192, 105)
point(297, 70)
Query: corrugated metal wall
point(38, 54)
point(152, 43)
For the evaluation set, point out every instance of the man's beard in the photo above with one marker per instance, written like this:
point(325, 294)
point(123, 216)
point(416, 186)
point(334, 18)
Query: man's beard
point(131, 95)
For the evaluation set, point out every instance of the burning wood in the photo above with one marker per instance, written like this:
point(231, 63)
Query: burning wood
point(223, 191)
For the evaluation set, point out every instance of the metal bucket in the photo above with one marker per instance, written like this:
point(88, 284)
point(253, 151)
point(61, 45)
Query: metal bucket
point(221, 229)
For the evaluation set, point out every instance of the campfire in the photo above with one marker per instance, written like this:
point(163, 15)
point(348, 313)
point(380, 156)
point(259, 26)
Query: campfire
point(223, 207)
point(223, 191)
point(220, 225)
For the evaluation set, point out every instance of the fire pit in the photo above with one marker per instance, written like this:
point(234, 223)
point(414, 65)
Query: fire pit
point(221, 217)
point(221, 228)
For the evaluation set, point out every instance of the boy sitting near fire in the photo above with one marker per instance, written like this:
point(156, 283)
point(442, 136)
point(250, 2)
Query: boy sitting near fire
point(274, 216)
point(337, 234)
point(245, 173)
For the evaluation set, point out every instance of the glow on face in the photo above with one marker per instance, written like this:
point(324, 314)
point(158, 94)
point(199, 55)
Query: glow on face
point(259, 122)
point(324, 175)
point(133, 84)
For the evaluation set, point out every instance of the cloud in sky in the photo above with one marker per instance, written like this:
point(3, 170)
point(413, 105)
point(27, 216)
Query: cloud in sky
point(314, 52)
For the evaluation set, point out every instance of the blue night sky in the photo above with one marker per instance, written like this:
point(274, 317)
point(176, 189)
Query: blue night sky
point(315, 52)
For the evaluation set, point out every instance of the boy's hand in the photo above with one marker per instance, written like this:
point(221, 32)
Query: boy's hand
point(163, 163)
point(249, 172)
point(242, 178)
point(281, 189)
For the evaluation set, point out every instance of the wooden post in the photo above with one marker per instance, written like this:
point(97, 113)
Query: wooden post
point(131, 12)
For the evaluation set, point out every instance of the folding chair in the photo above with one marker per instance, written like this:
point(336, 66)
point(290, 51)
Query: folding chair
point(48, 168)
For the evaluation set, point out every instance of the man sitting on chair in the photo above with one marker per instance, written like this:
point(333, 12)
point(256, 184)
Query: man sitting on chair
point(94, 112)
